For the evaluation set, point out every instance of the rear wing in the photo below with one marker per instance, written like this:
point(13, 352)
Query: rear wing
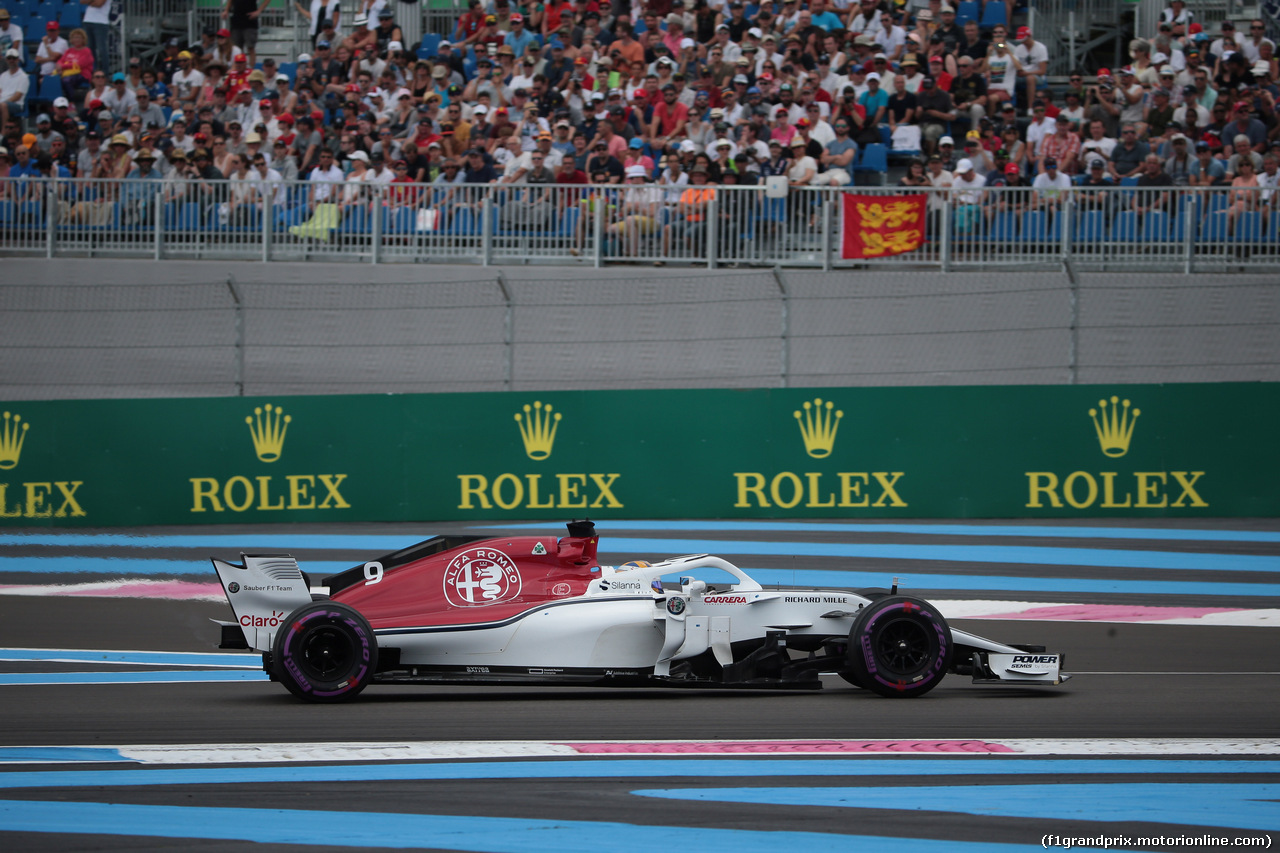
point(262, 592)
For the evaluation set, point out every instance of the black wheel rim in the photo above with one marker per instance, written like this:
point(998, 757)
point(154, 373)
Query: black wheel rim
point(903, 646)
point(326, 652)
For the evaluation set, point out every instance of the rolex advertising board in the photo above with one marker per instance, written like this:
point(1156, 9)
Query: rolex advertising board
point(1204, 450)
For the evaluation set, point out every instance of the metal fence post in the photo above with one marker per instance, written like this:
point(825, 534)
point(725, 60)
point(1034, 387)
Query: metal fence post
point(944, 238)
point(597, 232)
point(713, 228)
point(157, 217)
point(375, 212)
point(486, 229)
point(268, 214)
point(1188, 235)
point(1068, 215)
point(827, 196)
point(51, 217)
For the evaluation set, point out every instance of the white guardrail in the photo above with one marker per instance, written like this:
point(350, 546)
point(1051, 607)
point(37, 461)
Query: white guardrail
point(1181, 229)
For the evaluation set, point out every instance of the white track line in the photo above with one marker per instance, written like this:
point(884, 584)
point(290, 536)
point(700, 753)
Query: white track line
point(179, 754)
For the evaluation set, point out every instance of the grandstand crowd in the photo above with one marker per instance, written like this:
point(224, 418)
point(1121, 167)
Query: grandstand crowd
point(682, 94)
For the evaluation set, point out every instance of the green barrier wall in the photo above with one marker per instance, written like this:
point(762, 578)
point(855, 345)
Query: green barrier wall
point(1035, 451)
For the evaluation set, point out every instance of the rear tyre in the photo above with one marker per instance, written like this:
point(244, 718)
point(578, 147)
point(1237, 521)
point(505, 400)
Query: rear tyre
point(899, 647)
point(325, 652)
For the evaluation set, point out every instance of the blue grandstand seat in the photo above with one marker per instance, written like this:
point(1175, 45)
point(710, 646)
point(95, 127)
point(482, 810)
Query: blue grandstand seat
point(399, 220)
point(355, 220)
point(993, 14)
point(1125, 227)
point(1215, 203)
point(49, 91)
point(463, 222)
point(1214, 227)
point(1091, 227)
point(1039, 226)
point(1003, 227)
point(874, 159)
point(1155, 227)
point(430, 46)
point(174, 219)
point(968, 10)
point(71, 15)
point(1248, 227)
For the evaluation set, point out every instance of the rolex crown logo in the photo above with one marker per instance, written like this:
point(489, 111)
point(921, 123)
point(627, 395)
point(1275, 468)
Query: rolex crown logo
point(12, 435)
point(538, 427)
point(818, 427)
point(267, 426)
point(1114, 427)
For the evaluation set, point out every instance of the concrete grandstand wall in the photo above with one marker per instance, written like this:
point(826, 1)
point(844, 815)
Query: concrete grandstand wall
point(96, 329)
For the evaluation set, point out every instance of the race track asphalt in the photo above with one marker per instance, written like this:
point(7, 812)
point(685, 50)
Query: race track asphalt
point(868, 774)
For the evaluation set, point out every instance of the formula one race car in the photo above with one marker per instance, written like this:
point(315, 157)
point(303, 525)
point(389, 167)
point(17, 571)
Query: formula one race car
point(537, 610)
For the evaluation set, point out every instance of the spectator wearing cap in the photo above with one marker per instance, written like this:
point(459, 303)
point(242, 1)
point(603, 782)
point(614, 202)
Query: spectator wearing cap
point(1180, 161)
point(936, 109)
point(601, 159)
point(14, 86)
point(1207, 171)
point(518, 37)
point(479, 167)
point(119, 99)
point(690, 216)
point(1050, 185)
point(1244, 124)
point(45, 134)
point(1062, 147)
point(150, 113)
point(875, 104)
point(186, 81)
point(638, 212)
point(1191, 113)
point(138, 193)
point(50, 49)
point(1033, 61)
point(11, 37)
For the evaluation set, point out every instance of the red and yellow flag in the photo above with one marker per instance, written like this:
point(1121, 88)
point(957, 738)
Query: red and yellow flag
point(873, 226)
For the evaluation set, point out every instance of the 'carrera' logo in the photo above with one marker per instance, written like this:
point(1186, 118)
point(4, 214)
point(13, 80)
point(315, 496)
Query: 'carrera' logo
point(725, 599)
point(481, 576)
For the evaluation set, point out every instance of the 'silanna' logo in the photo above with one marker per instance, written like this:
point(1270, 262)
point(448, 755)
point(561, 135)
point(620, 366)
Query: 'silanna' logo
point(818, 425)
point(12, 435)
point(1114, 426)
point(268, 425)
point(538, 427)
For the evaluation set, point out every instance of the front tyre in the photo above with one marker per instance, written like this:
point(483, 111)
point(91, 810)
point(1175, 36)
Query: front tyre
point(325, 652)
point(899, 647)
